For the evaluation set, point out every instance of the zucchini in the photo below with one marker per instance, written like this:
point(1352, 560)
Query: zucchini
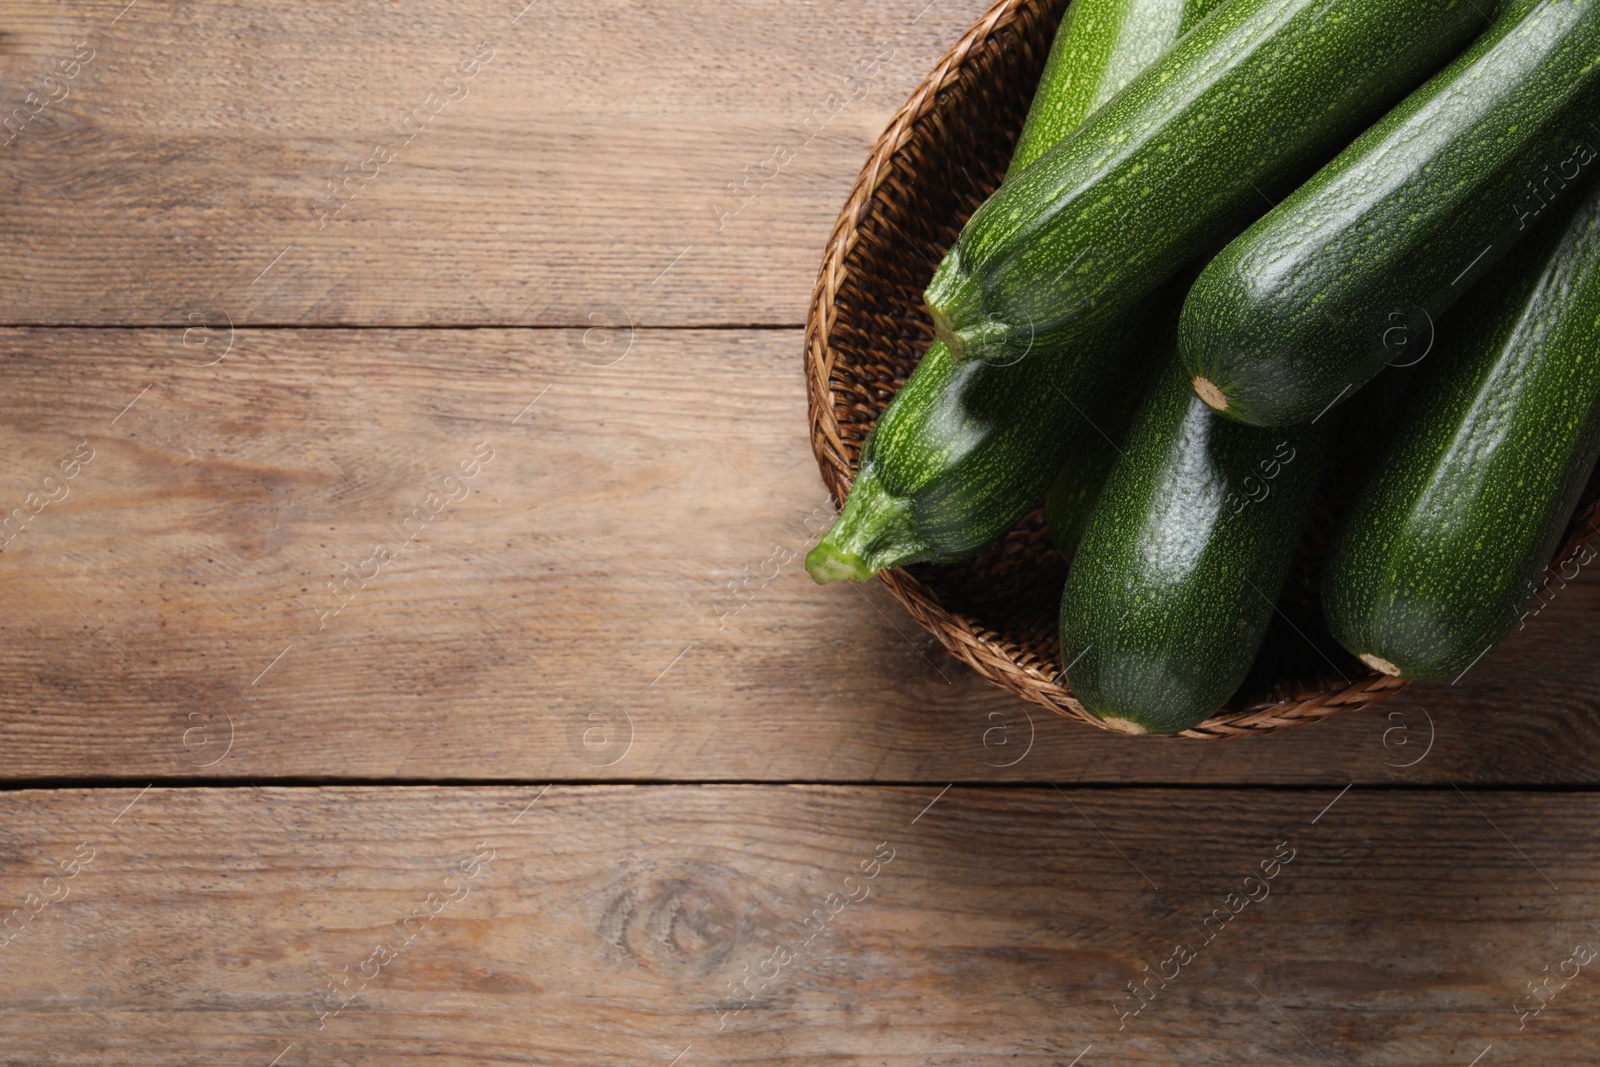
point(961, 453)
point(1100, 46)
point(1186, 551)
point(1452, 533)
point(1259, 92)
point(1073, 494)
point(1351, 272)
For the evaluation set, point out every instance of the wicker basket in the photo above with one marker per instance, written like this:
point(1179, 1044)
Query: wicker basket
point(943, 153)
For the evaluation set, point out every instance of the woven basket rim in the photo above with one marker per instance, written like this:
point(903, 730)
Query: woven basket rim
point(963, 636)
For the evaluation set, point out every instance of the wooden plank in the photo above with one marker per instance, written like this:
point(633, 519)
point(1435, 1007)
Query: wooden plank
point(606, 925)
point(667, 164)
point(170, 615)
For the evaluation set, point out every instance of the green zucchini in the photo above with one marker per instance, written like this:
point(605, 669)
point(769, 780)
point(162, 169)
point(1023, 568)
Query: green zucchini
point(1258, 93)
point(1073, 494)
point(1352, 271)
point(961, 453)
point(1186, 551)
point(1101, 46)
point(1451, 535)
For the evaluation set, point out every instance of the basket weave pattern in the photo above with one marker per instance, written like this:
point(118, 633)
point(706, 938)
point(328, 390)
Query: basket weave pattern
point(943, 153)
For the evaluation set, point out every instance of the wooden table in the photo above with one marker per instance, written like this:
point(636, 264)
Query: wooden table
point(406, 657)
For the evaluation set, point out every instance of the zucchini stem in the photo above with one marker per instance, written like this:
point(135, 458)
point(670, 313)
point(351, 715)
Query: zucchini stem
point(875, 530)
point(1123, 726)
point(828, 563)
point(955, 303)
point(1378, 663)
point(1210, 394)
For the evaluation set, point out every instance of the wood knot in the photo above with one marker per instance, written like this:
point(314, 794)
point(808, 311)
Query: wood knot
point(681, 920)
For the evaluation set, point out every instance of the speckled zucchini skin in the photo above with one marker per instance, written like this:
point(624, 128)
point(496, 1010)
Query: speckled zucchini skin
point(1353, 270)
point(961, 453)
point(1257, 94)
point(1073, 494)
point(1179, 571)
point(1101, 46)
point(1448, 541)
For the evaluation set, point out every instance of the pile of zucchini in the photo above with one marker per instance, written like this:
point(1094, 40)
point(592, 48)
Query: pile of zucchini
point(1223, 220)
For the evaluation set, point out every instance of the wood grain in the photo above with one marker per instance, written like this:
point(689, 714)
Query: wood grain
point(604, 925)
point(170, 616)
point(594, 147)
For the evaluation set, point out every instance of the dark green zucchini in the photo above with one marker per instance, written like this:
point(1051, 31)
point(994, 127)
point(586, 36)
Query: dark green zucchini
point(1179, 570)
point(1073, 494)
point(1257, 94)
point(1101, 46)
point(1114, 41)
point(1355, 268)
point(1495, 442)
point(961, 453)
point(964, 450)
